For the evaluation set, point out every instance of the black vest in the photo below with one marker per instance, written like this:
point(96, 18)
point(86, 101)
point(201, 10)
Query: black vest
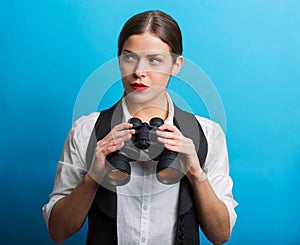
point(102, 224)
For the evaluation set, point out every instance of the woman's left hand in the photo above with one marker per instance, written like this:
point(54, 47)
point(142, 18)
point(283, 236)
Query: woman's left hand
point(173, 140)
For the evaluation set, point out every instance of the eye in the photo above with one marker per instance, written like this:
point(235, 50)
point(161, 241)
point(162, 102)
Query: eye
point(130, 57)
point(155, 60)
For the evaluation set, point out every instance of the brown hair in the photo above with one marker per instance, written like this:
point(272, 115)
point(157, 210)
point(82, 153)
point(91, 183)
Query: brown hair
point(156, 22)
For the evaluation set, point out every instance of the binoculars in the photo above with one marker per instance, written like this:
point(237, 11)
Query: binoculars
point(168, 170)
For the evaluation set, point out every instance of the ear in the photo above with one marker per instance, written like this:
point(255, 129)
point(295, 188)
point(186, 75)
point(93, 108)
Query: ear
point(177, 65)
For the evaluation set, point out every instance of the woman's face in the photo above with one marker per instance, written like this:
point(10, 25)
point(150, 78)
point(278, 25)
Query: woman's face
point(146, 65)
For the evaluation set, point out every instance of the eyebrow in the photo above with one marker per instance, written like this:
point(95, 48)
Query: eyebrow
point(148, 55)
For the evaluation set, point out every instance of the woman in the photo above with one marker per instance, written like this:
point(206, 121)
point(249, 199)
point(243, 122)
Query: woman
point(144, 211)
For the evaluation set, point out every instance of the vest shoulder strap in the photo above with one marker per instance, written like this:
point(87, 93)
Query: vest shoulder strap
point(104, 123)
point(191, 128)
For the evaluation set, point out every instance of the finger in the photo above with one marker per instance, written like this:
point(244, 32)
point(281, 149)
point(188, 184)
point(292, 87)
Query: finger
point(115, 147)
point(169, 131)
point(123, 133)
point(165, 134)
point(107, 149)
point(174, 148)
point(168, 127)
point(122, 130)
point(170, 142)
point(122, 139)
point(110, 140)
point(122, 126)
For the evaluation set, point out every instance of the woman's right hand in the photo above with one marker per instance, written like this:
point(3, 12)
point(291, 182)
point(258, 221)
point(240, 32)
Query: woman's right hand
point(112, 142)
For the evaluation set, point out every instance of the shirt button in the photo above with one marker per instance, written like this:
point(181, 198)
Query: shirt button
point(143, 239)
point(145, 207)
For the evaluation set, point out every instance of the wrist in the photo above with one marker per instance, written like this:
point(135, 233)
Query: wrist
point(89, 180)
point(198, 177)
point(195, 172)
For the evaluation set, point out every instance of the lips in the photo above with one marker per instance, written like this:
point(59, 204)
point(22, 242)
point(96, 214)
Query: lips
point(139, 86)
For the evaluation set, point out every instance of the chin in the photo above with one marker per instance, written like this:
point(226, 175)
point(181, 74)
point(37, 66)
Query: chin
point(152, 97)
point(138, 97)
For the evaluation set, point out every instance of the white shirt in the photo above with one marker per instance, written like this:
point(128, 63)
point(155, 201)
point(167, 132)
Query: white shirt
point(146, 209)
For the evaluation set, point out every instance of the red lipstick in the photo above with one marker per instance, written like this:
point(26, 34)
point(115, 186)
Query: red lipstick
point(139, 86)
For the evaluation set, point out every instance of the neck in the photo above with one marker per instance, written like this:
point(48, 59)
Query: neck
point(145, 111)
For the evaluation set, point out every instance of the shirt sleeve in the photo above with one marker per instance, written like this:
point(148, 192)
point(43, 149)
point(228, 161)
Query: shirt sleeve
point(72, 165)
point(217, 166)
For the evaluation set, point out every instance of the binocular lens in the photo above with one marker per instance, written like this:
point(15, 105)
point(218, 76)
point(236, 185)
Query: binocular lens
point(168, 169)
point(117, 177)
point(119, 170)
point(168, 175)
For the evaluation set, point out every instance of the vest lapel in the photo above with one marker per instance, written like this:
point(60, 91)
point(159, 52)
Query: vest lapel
point(185, 197)
point(106, 201)
point(106, 198)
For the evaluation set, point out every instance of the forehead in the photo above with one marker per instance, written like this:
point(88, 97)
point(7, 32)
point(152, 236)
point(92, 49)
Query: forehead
point(145, 42)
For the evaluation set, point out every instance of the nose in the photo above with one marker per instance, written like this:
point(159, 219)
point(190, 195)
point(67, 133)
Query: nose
point(140, 69)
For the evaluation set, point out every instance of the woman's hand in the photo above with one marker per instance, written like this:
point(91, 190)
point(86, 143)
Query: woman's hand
point(112, 142)
point(173, 140)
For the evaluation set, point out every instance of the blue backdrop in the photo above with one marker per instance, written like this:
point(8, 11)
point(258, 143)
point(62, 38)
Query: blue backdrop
point(249, 49)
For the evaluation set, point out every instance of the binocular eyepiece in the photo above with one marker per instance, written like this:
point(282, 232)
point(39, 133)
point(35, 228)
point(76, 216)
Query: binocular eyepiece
point(168, 170)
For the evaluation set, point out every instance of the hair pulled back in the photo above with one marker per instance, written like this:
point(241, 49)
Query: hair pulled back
point(156, 22)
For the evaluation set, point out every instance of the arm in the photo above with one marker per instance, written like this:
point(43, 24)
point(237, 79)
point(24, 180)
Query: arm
point(213, 214)
point(69, 213)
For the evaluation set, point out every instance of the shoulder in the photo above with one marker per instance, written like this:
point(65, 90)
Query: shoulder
point(210, 128)
point(82, 128)
point(78, 138)
point(85, 123)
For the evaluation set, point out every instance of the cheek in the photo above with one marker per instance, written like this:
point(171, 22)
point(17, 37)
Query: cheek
point(160, 79)
point(126, 81)
point(126, 70)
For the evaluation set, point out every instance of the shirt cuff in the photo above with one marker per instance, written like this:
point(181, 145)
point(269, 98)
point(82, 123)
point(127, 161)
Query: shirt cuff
point(231, 204)
point(47, 208)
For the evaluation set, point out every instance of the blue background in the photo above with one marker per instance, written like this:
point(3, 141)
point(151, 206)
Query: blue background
point(249, 49)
